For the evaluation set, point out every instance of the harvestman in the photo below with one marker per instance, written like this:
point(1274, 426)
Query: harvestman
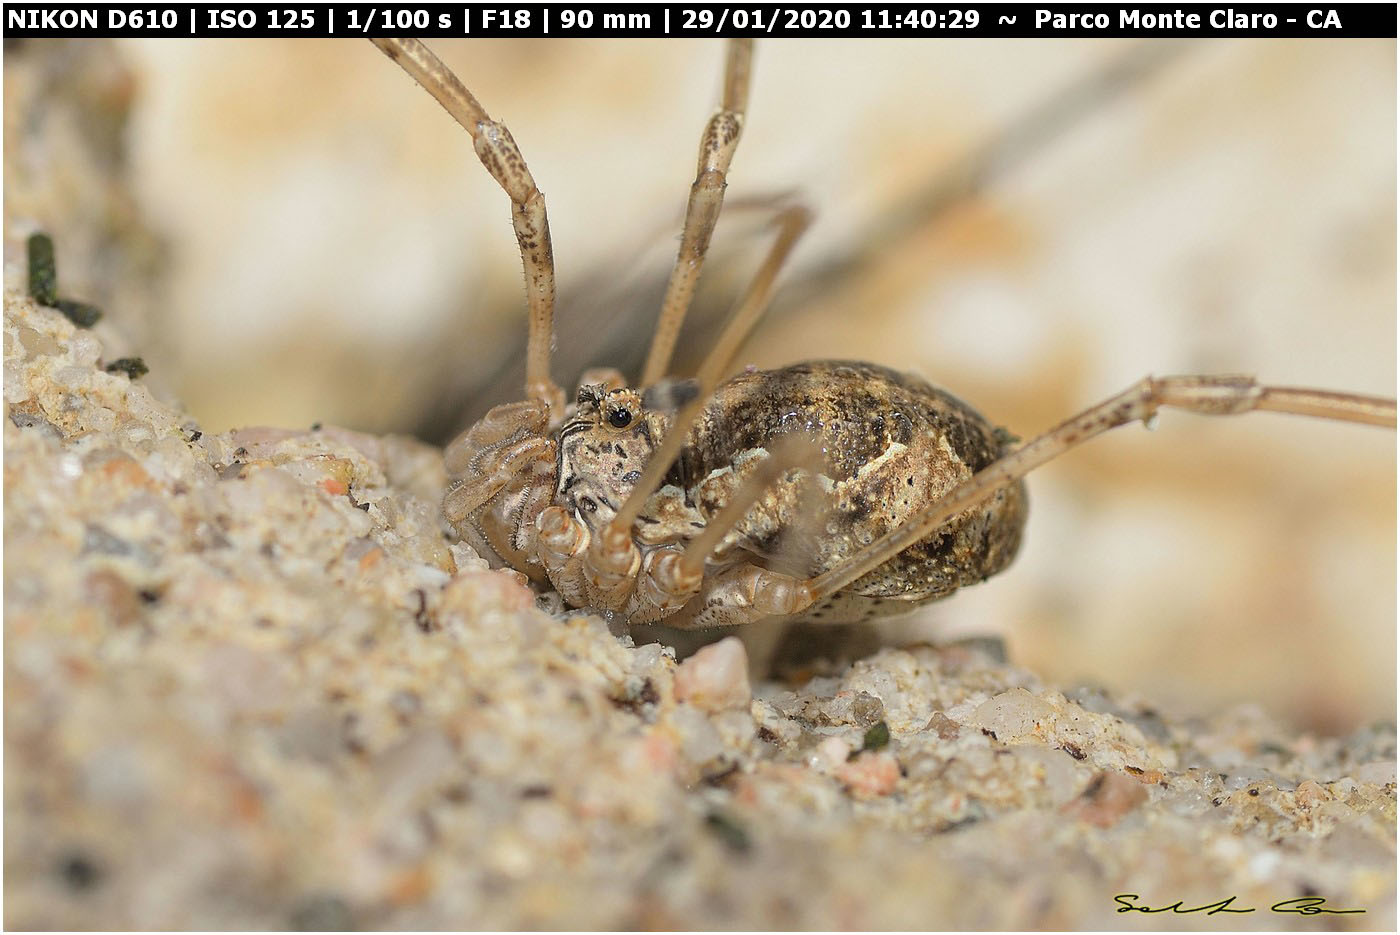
point(691, 501)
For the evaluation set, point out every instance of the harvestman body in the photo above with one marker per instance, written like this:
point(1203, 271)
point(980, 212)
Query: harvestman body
point(829, 490)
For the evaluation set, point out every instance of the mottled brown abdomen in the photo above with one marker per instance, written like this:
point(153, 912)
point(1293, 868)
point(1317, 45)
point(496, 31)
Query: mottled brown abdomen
point(894, 445)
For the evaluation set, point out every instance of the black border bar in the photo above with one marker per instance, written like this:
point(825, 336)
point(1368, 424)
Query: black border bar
point(656, 20)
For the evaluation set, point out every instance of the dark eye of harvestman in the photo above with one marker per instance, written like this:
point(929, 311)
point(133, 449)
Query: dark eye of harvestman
point(619, 418)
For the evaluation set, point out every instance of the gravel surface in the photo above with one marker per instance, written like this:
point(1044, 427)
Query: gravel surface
point(251, 682)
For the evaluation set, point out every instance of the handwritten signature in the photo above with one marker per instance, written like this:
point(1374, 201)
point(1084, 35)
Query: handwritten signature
point(1302, 905)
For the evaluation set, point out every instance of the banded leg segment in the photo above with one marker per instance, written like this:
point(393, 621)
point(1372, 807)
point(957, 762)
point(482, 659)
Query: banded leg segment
point(1206, 395)
point(717, 146)
point(562, 540)
point(501, 157)
point(741, 595)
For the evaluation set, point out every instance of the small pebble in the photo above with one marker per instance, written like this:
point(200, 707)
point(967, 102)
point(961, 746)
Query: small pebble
point(945, 727)
point(43, 270)
point(877, 737)
point(1107, 798)
point(716, 677)
point(830, 753)
point(133, 367)
point(869, 775)
point(1013, 715)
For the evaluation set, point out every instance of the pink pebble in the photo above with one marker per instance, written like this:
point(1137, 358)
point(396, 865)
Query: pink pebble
point(831, 753)
point(870, 774)
point(716, 677)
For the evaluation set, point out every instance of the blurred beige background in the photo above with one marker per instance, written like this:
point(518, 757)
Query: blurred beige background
point(333, 252)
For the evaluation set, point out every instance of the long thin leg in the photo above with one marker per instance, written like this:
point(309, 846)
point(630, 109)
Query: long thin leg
point(792, 222)
point(501, 157)
point(1207, 395)
point(747, 593)
point(717, 145)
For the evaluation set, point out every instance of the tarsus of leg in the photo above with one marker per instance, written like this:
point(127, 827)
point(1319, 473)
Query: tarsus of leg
point(501, 157)
point(792, 222)
point(1325, 404)
point(796, 450)
point(1207, 395)
point(717, 146)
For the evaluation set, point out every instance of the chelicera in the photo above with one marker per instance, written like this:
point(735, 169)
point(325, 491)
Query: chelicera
point(829, 490)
